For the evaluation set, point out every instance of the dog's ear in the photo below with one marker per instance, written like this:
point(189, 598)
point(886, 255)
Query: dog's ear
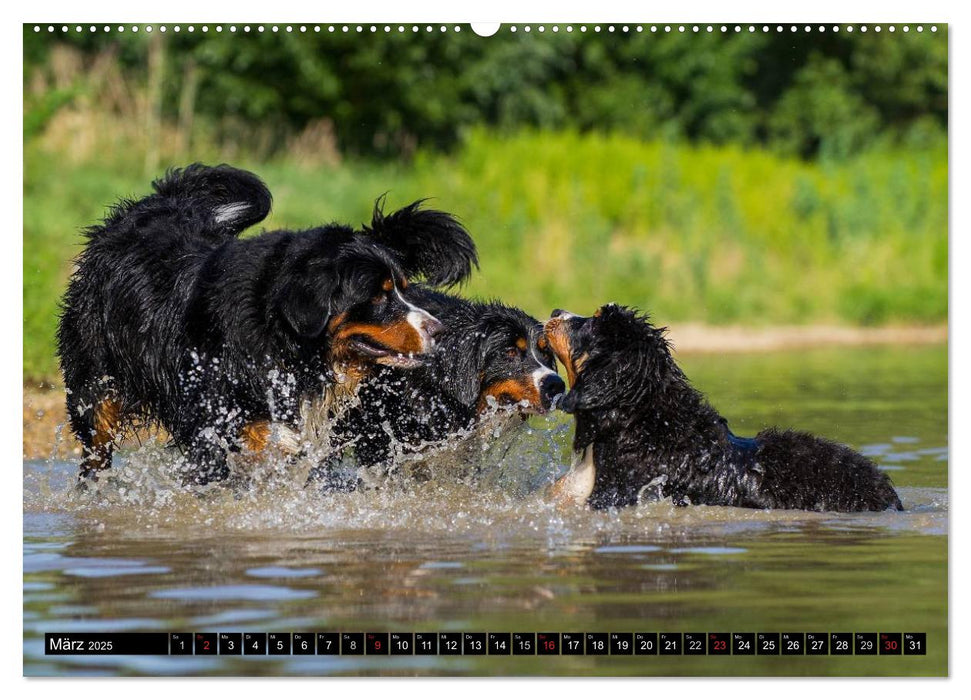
point(610, 383)
point(305, 304)
point(429, 244)
point(467, 387)
point(464, 371)
point(460, 359)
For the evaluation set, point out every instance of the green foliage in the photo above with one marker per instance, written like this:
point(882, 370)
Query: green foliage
point(390, 94)
point(704, 233)
point(822, 113)
point(39, 111)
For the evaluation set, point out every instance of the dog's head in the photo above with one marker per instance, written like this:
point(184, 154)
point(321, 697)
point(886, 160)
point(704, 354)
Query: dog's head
point(613, 359)
point(494, 355)
point(351, 288)
point(354, 303)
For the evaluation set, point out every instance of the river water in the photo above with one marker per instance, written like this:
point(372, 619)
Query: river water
point(492, 555)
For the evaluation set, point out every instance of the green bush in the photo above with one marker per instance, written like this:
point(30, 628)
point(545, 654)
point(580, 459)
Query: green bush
point(388, 94)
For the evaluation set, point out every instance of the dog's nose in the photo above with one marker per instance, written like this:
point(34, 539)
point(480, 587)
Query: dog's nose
point(562, 314)
point(551, 387)
point(432, 327)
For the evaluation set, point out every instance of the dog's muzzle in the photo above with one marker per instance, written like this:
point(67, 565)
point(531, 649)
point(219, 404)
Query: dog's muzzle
point(427, 326)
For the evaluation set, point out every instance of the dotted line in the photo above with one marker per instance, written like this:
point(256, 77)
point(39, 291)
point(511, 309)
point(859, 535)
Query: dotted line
point(414, 28)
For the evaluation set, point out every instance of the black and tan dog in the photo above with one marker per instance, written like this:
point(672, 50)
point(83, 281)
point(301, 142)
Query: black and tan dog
point(490, 358)
point(643, 432)
point(171, 318)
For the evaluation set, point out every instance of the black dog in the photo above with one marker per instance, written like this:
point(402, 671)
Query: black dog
point(488, 357)
point(172, 319)
point(643, 432)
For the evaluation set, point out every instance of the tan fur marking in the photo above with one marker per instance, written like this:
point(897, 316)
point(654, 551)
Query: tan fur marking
point(107, 422)
point(336, 321)
point(512, 391)
point(255, 436)
point(400, 336)
point(107, 419)
point(559, 341)
point(352, 373)
point(580, 362)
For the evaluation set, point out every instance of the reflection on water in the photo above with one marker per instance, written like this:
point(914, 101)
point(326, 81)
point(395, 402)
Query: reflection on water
point(495, 556)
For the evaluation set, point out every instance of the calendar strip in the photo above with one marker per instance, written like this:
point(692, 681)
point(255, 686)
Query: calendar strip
point(488, 644)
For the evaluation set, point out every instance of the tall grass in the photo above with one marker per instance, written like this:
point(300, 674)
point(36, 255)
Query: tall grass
point(716, 234)
point(720, 235)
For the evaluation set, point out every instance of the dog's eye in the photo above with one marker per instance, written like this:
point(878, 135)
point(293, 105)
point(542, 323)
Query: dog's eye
point(514, 353)
point(385, 292)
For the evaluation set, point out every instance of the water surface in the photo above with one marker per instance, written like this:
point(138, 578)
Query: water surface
point(493, 555)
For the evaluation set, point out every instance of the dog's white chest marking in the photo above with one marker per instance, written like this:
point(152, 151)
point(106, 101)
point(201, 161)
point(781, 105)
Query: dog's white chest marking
point(318, 413)
point(577, 484)
point(285, 438)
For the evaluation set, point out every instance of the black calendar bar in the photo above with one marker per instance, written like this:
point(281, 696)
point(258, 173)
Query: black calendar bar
point(629, 644)
point(140, 643)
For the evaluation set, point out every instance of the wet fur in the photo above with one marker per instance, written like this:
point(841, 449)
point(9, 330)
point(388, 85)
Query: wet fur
point(446, 398)
point(170, 318)
point(654, 436)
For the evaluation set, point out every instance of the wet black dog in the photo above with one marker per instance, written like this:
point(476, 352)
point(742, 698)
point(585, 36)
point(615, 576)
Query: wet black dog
point(643, 432)
point(172, 319)
point(489, 357)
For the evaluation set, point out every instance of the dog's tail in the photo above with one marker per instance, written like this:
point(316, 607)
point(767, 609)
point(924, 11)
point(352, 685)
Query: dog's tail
point(429, 244)
point(213, 202)
point(227, 200)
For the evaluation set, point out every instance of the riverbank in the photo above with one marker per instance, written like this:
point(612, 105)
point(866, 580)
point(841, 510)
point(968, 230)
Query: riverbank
point(700, 338)
point(44, 402)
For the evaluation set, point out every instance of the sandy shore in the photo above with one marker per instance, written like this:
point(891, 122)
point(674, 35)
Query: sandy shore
point(698, 338)
point(44, 406)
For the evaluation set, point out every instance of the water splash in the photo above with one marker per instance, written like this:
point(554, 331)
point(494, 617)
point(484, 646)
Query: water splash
point(489, 480)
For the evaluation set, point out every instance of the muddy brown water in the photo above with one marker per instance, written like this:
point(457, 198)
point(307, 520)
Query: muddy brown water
point(491, 555)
